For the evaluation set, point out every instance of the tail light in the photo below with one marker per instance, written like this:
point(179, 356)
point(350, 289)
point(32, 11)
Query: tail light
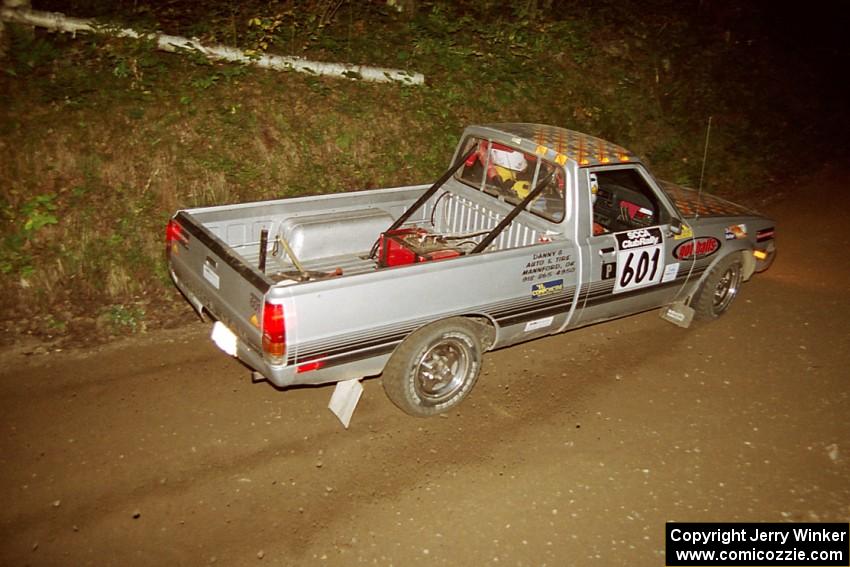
point(274, 333)
point(174, 233)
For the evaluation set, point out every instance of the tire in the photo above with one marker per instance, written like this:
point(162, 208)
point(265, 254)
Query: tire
point(434, 368)
point(720, 288)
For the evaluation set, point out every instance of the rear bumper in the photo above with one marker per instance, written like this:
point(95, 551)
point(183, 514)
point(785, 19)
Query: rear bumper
point(289, 375)
point(283, 376)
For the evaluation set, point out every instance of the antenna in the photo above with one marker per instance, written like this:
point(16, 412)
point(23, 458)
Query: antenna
point(702, 172)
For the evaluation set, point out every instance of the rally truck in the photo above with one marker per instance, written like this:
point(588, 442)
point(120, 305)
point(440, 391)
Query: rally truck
point(533, 230)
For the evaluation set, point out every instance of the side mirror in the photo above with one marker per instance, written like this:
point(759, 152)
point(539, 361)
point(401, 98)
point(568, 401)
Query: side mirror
point(676, 226)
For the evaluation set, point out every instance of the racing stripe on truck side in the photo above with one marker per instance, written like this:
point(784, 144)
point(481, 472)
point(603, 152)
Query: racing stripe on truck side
point(602, 292)
point(375, 337)
point(374, 342)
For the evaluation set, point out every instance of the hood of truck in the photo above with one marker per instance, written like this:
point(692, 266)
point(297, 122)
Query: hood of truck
point(686, 201)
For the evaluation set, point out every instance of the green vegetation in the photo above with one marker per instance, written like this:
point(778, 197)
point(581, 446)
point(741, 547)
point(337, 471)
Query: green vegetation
point(101, 140)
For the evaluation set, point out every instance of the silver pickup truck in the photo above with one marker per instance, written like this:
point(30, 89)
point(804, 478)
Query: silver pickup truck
point(533, 230)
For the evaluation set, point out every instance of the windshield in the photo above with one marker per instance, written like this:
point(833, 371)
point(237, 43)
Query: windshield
point(512, 174)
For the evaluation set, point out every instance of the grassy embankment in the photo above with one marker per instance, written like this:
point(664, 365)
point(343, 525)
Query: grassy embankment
point(102, 140)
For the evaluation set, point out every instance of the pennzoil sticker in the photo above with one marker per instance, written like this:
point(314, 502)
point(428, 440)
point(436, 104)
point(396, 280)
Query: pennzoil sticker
point(735, 232)
point(547, 288)
point(687, 232)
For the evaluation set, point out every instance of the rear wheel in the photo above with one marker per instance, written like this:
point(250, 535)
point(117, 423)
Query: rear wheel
point(720, 288)
point(434, 368)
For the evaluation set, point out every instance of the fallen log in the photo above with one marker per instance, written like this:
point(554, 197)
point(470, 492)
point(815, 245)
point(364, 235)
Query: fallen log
point(59, 22)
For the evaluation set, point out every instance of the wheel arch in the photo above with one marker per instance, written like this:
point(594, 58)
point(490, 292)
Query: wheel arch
point(489, 327)
point(714, 276)
point(748, 263)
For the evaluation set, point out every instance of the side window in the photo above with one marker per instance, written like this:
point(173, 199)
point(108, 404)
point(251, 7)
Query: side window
point(550, 203)
point(623, 200)
point(511, 174)
point(472, 172)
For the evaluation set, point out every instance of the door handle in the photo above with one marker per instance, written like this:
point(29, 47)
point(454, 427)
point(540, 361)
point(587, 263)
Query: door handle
point(603, 251)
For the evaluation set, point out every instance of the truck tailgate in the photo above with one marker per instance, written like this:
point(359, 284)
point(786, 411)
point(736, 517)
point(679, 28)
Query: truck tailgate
point(215, 279)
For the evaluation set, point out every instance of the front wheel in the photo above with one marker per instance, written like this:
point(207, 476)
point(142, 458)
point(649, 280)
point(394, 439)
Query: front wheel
point(434, 368)
point(720, 288)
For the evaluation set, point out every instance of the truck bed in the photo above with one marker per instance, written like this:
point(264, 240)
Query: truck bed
point(335, 233)
point(215, 251)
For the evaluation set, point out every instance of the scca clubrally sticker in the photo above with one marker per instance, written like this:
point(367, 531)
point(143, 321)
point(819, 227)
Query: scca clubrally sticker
point(640, 259)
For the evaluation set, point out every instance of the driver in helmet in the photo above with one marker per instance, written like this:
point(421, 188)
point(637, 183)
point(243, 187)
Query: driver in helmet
point(505, 166)
point(594, 190)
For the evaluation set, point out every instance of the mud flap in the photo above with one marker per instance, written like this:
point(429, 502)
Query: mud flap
point(344, 400)
point(678, 313)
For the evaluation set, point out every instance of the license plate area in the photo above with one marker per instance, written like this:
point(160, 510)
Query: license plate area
point(224, 338)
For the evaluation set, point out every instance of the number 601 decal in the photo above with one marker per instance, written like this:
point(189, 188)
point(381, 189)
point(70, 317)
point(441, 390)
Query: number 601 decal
point(640, 259)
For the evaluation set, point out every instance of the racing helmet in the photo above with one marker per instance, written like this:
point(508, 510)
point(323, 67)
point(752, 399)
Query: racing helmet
point(508, 158)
